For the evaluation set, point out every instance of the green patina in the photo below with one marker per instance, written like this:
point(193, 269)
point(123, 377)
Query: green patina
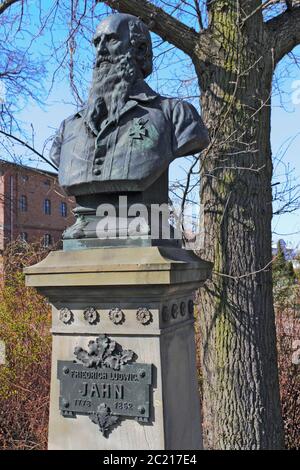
point(227, 35)
point(223, 326)
point(225, 19)
point(223, 334)
point(143, 134)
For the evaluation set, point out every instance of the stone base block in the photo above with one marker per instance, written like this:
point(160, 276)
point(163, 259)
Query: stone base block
point(141, 299)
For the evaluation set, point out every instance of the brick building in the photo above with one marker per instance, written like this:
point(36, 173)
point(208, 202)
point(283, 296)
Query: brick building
point(32, 205)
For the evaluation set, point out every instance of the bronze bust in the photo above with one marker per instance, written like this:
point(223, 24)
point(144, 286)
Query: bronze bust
point(123, 141)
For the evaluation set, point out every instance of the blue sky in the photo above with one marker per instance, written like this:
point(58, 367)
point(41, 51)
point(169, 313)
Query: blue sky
point(285, 117)
point(285, 140)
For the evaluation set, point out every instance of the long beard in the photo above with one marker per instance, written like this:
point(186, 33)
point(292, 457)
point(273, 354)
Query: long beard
point(110, 88)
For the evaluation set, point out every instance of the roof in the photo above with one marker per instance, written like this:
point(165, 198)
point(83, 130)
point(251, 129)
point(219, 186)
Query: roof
point(29, 168)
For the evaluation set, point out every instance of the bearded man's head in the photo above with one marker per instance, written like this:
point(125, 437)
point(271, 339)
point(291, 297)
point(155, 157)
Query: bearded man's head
point(123, 56)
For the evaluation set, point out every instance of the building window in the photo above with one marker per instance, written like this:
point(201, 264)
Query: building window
point(47, 206)
point(24, 236)
point(63, 209)
point(47, 240)
point(47, 182)
point(23, 204)
point(24, 178)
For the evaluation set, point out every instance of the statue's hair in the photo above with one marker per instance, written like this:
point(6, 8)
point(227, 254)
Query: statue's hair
point(141, 41)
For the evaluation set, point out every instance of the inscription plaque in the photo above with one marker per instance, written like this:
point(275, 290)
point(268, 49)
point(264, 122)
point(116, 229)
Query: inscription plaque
point(105, 387)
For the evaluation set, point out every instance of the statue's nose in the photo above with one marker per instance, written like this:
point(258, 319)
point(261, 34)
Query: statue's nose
point(102, 47)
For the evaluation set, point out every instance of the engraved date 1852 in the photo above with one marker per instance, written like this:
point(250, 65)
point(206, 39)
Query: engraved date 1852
point(123, 405)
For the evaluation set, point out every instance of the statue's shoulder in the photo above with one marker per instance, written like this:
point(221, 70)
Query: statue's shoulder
point(73, 117)
point(188, 130)
point(66, 125)
point(175, 108)
point(144, 94)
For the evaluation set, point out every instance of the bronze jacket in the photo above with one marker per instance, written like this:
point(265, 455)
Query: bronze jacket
point(131, 154)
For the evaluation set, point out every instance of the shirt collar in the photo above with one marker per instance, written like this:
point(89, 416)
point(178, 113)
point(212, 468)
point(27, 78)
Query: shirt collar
point(141, 91)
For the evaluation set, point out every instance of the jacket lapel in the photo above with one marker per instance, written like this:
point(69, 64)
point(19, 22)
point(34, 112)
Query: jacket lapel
point(141, 92)
point(128, 106)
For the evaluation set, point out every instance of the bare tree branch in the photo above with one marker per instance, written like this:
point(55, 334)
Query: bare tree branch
point(7, 4)
point(199, 14)
point(160, 22)
point(284, 31)
point(22, 142)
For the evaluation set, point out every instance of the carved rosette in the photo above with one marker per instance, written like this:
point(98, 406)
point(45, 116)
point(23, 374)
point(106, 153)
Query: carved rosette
point(66, 316)
point(174, 311)
point(91, 315)
point(116, 315)
point(144, 316)
point(182, 309)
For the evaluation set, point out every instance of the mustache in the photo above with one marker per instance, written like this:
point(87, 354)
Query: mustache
point(102, 59)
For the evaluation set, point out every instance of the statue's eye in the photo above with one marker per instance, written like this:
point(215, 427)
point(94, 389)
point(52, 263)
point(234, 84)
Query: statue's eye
point(113, 38)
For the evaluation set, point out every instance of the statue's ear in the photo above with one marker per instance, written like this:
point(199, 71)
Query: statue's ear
point(141, 49)
point(143, 55)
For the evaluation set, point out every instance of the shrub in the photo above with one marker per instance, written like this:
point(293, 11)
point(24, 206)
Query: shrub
point(288, 332)
point(24, 379)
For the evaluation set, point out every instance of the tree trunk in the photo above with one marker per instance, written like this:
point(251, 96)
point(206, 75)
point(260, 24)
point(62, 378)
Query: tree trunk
point(240, 378)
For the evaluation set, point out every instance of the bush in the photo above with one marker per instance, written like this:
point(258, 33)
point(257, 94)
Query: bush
point(285, 286)
point(288, 332)
point(24, 379)
point(286, 290)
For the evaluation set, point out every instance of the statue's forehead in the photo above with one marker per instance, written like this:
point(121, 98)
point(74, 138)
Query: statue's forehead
point(110, 25)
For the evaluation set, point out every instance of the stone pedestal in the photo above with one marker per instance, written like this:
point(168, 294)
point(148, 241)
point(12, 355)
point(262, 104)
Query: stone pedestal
point(142, 298)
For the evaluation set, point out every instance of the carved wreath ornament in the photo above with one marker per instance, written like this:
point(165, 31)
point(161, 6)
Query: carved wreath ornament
point(104, 419)
point(103, 353)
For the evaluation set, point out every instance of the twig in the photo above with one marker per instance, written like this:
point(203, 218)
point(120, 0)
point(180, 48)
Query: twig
point(20, 141)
